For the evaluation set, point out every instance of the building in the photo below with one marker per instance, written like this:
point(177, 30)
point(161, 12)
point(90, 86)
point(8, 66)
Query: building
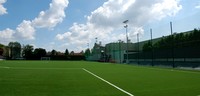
point(97, 52)
point(112, 52)
point(117, 51)
point(4, 51)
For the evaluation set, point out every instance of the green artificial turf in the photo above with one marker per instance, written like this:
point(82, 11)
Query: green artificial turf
point(67, 78)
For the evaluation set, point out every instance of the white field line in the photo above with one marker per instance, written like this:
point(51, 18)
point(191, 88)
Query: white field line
point(40, 68)
point(46, 68)
point(175, 70)
point(108, 82)
point(4, 67)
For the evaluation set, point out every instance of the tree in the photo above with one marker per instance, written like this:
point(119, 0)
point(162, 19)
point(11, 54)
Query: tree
point(1, 49)
point(66, 52)
point(87, 52)
point(39, 52)
point(1, 45)
point(15, 49)
point(196, 34)
point(28, 51)
point(53, 52)
point(82, 52)
point(179, 39)
point(147, 46)
point(72, 53)
point(165, 42)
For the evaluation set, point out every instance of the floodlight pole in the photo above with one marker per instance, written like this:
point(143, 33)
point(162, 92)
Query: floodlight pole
point(88, 45)
point(173, 64)
point(138, 48)
point(126, 26)
point(152, 50)
point(119, 51)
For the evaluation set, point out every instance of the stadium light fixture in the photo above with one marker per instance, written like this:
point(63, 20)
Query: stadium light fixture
point(126, 27)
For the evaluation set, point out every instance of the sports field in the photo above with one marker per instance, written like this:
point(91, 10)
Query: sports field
point(80, 78)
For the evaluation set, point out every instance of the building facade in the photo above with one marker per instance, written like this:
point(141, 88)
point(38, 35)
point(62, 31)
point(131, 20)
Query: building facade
point(97, 52)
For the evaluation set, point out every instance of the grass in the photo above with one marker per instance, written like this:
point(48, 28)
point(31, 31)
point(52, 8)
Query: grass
point(66, 78)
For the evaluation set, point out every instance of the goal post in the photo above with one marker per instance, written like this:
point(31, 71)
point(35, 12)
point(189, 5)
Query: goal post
point(45, 58)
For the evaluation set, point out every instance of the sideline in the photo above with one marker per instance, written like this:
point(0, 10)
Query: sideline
point(40, 68)
point(171, 69)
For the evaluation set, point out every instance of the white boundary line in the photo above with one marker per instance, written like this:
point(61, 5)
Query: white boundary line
point(4, 67)
point(73, 69)
point(171, 69)
point(108, 82)
point(46, 68)
point(39, 68)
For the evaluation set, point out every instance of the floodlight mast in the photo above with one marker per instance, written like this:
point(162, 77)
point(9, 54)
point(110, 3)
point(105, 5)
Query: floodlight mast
point(119, 50)
point(152, 50)
point(171, 27)
point(126, 26)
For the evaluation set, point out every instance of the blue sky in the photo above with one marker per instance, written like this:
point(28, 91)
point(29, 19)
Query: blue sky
point(61, 24)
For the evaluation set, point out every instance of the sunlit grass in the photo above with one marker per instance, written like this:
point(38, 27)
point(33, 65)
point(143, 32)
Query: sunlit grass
point(66, 78)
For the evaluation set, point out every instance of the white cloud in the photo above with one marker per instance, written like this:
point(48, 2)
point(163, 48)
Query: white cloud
point(166, 8)
point(106, 21)
point(46, 19)
point(63, 36)
point(51, 17)
point(2, 8)
point(7, 35)
point(198, 5)
point(77, 32)
point(26, 30)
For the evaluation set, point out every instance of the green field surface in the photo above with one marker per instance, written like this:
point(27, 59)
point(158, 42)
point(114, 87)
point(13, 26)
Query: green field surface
point(68, 78)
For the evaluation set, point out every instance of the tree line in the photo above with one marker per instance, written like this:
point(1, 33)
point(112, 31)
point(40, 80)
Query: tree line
point(180, 40)
point(15, 50)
